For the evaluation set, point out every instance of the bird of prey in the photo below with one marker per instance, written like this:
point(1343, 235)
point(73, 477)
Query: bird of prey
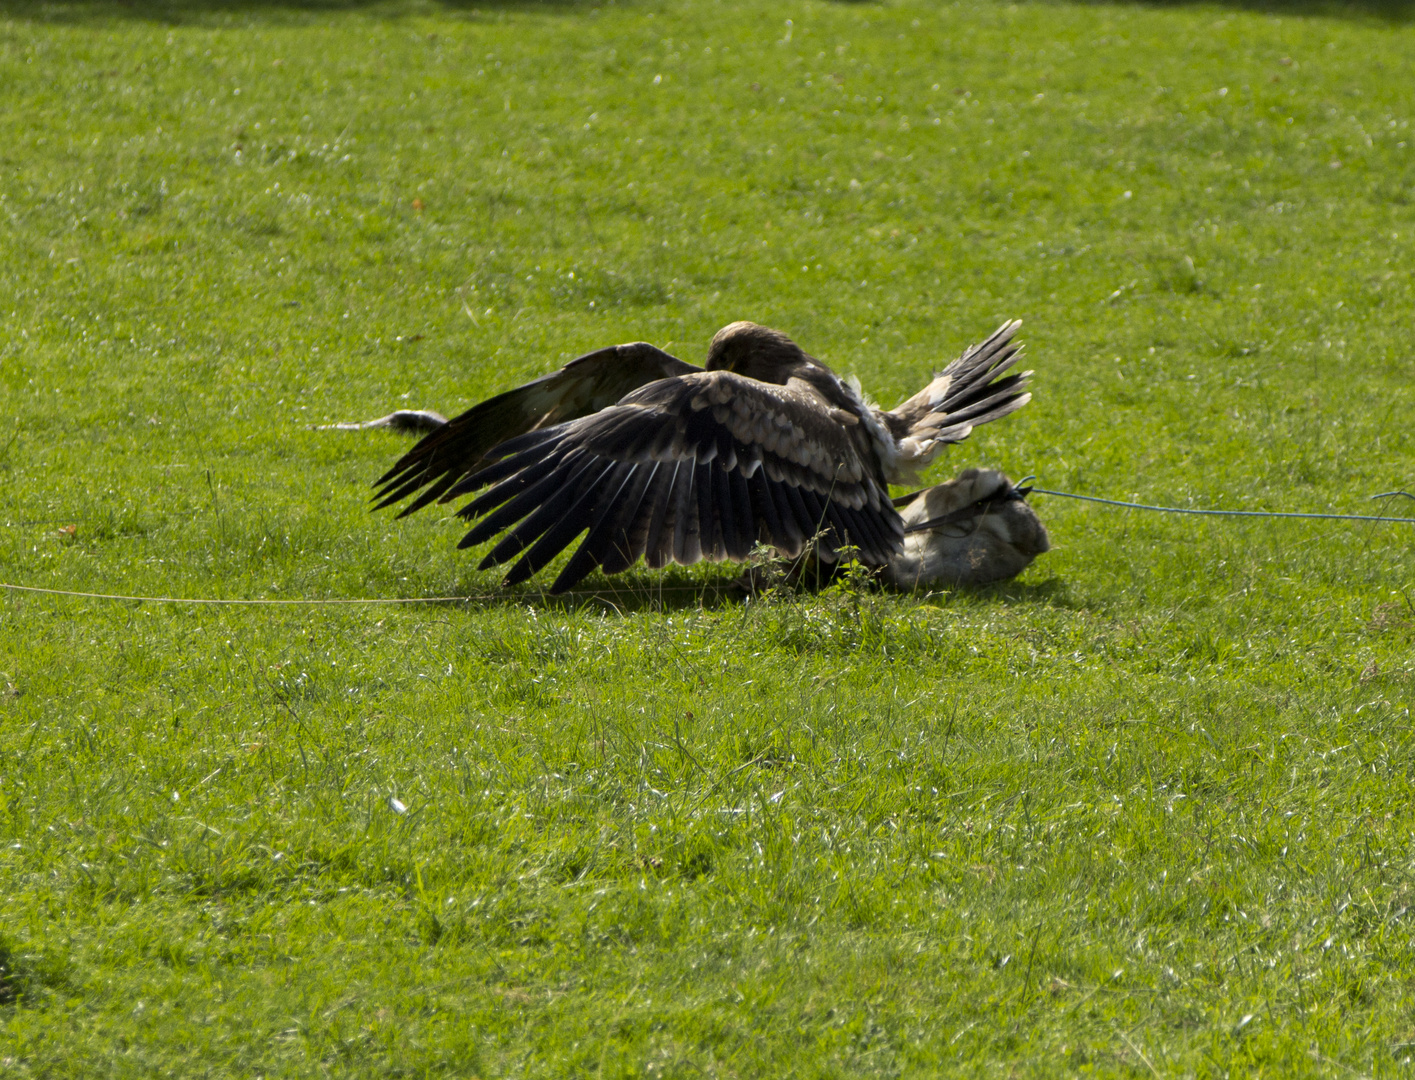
point(647, 455)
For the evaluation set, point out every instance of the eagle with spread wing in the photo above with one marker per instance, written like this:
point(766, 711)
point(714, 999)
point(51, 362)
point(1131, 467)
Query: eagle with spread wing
point(648, 456)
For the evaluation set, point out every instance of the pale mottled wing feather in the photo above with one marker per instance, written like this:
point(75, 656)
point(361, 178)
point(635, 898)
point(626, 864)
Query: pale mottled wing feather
point(701, 466)
point(582, 387)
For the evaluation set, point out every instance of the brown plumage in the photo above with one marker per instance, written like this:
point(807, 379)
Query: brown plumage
point(650, 456)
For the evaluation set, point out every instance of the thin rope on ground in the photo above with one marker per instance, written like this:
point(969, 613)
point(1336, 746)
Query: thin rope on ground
point(262, 602)
point(1228, 513)
point(469, 599)
point(659, 589)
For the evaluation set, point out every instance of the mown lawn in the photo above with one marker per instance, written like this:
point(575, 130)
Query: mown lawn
point(1145, 811)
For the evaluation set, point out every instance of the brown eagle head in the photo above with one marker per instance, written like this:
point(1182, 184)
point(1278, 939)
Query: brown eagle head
point(756, 351)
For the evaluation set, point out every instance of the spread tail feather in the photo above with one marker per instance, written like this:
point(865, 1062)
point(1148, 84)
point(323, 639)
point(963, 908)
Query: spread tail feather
point(969, 380)
point(968, 392)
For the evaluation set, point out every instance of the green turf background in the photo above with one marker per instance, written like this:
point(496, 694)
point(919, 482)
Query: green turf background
point(1144, 811)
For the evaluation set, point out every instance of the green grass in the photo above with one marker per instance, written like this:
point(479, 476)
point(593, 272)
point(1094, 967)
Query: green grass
point(1145, 811)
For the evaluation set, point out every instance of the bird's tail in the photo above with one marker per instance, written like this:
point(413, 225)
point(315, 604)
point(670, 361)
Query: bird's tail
point(970, 391)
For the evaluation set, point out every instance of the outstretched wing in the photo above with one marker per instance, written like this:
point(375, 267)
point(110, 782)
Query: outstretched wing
point(968, 392)
point(583, 386)
point(701, 466)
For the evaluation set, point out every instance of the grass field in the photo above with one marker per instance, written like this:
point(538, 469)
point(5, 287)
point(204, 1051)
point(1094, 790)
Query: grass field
point(1145, 811)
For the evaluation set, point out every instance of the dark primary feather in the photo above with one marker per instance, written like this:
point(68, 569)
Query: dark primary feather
point(701, 466)
point(554, 525)
point(583, 386)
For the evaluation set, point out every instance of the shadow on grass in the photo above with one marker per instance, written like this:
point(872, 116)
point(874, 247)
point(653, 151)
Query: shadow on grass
point(626, 593)
point(1390, 11)
point(26, 977)
point(224, 12)
point(642, 590)
point(198, 12)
